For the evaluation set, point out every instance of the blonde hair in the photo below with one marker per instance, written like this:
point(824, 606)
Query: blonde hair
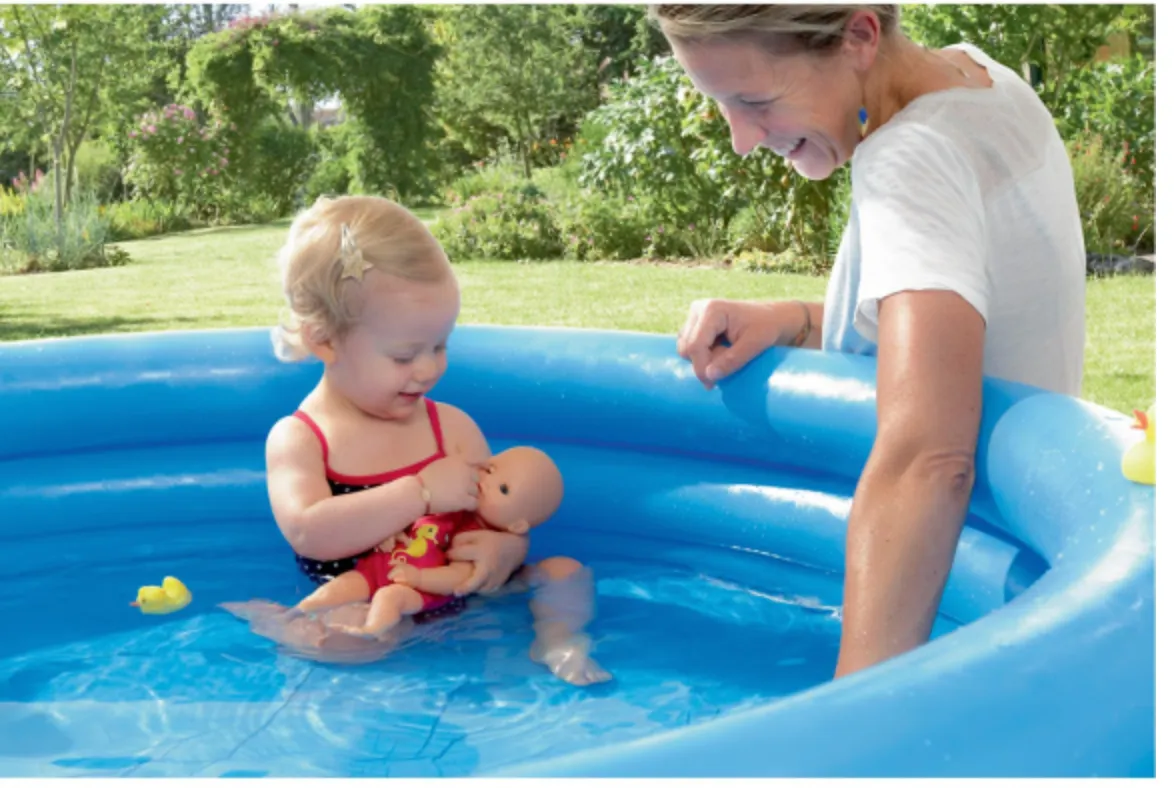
point(781, 28)
point(315, 280)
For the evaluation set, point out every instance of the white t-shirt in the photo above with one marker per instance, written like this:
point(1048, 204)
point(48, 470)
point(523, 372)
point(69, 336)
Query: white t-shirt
point(969, 190)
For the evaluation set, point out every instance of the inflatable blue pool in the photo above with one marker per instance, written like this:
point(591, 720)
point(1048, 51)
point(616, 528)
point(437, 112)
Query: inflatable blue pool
point(714, 522)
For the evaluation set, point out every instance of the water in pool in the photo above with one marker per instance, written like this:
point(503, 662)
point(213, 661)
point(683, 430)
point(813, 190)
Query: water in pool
point(198, 694)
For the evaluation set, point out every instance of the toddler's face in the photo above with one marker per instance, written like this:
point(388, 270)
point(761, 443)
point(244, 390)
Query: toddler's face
point(396, 353)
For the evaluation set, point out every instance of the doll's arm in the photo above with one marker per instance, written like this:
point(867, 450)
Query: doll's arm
point(439, 580)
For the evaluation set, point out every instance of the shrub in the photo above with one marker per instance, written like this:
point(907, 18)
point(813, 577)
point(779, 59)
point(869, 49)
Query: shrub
point(35, 242)
point(98, 170)
point(596, 226)
point(177, 158)
point(518, 223)
point(1114, 212)
point(277, 160)
point(140, 218)
point(331, 174)
point(661, 141)
point(1115, 100)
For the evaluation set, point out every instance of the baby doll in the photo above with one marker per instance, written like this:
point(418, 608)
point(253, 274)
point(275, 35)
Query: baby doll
point(520, 488)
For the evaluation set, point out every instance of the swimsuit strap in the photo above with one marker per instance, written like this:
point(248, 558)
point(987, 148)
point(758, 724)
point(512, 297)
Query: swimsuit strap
point(309, 422)
point(434, 419)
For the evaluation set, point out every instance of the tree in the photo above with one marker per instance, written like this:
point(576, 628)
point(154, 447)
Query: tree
point(1053, 40)
point(66, 68)
point(379, 59)
point(513, 71)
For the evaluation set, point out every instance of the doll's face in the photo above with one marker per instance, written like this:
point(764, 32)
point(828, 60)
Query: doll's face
point(520, 485)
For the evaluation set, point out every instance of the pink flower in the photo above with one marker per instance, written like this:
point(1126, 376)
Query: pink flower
point(150, 129)
point(178, 171)
point(224, 162)
point(180, 140)
point(133, 134)
point(187, 113)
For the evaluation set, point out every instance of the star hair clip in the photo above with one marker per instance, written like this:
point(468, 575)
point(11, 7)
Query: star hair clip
point(353, 264)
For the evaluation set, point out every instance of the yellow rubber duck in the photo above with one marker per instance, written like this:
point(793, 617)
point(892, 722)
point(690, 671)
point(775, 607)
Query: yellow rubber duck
point(155, 600)
point(1139, 463)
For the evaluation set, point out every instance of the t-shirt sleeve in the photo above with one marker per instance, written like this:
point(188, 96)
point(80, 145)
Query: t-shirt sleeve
point(922, 223)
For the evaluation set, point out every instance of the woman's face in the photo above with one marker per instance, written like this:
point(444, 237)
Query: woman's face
point(801, 106)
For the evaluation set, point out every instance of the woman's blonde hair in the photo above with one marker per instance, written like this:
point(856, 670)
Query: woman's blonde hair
point(785, 27)
point(329, 246)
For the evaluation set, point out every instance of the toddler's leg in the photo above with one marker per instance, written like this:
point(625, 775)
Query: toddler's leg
point(347, 588)
point(388, 607)
point(563, 605)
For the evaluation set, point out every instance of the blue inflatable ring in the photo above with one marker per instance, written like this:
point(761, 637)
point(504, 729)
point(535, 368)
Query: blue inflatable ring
point(1050, 671)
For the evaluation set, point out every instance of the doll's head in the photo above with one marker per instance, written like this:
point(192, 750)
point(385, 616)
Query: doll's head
point(520, 489)
point(371, 294)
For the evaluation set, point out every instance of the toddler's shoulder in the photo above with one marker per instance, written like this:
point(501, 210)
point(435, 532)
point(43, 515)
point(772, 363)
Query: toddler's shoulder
point(461, 431)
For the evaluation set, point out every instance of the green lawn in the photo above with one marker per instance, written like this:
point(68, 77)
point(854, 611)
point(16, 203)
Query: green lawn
point(226, 277)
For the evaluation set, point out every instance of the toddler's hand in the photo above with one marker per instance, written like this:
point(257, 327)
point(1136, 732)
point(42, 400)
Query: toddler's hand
point(452, 484)
point(404, 575)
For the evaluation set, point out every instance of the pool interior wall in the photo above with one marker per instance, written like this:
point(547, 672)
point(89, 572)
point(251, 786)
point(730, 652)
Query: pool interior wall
point(128, 459)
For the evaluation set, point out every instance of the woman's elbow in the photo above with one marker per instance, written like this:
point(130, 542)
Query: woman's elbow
point(947, 470)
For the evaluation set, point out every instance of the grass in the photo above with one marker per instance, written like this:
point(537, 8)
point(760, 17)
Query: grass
point(225, 277)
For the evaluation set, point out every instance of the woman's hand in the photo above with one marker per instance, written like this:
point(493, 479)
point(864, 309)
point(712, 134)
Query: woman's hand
point(452, 484)
point(494, 555)
point(749, 327)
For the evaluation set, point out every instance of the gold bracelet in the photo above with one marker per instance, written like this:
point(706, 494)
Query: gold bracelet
point(801, 337)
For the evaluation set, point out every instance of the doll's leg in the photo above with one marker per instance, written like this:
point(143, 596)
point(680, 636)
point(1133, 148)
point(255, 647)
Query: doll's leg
point(347, 588)
point(388, 607)
point(563, 605)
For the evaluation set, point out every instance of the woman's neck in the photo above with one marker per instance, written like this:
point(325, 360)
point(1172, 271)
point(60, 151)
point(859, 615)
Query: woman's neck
point(904, 71)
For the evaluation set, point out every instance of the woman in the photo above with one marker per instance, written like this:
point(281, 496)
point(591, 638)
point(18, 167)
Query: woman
point(963, 256)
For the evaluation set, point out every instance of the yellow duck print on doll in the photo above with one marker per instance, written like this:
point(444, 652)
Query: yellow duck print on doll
point(416, 544)
point(168, 598)
point(1140, 462)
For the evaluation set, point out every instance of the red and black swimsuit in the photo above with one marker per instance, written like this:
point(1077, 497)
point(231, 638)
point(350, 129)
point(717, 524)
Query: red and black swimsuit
point(341, 484)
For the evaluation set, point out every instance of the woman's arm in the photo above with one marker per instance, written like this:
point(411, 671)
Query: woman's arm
point(914, 492)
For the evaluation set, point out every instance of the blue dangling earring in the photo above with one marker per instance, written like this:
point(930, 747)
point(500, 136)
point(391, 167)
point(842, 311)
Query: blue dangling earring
point(863, 115)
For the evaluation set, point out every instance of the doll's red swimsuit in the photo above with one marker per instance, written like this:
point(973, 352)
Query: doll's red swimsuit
point(427, 541)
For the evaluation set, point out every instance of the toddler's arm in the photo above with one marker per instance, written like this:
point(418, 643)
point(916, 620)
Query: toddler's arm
point(318, 524)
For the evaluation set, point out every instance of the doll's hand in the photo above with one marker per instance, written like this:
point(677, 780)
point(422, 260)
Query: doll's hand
point(494, 555)
point(452, 484)
point(404, 575)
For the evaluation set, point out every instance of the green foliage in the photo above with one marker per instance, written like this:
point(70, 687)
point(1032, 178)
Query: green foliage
point(1116, 101)
point(1112, 202)
point(98, 169)
point(597, 226)
point(37, 243)
point(278, 161)
point(517, 223)
point(659, 140)
point(1057, 39)
point(179, 158)
point(378, 59)
point(515, 72)
point(331, 174)
point(141, 218)
point(68, 69)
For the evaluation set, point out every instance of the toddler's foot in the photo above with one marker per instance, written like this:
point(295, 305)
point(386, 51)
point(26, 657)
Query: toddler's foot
point(570, 659)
